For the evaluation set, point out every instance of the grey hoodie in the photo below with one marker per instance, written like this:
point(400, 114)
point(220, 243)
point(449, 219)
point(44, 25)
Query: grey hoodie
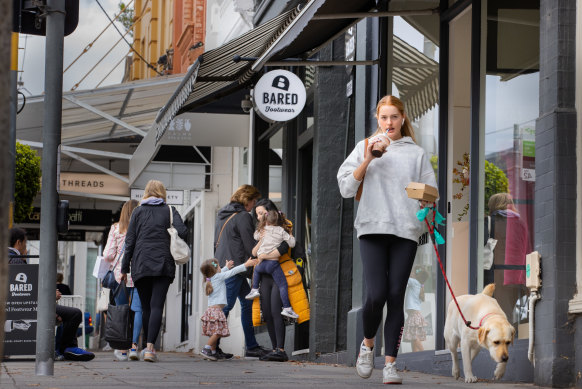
point(384, 206)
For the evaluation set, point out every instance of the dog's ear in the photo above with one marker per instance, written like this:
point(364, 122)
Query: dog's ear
point(482, 334)
point(512, 334)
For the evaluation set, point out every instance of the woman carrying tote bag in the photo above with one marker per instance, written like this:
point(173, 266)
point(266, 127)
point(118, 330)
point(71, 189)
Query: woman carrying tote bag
point(148, 257)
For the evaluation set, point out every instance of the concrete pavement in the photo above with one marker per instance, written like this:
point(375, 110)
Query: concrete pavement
point(186, 370)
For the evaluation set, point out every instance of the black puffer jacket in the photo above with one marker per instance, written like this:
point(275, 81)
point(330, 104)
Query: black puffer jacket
point(147, 242)
point(236, 242)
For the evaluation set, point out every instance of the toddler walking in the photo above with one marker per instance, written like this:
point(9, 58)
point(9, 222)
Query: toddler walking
point(214, 322)
point(273, 229)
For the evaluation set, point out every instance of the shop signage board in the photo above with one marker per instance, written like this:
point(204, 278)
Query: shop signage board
point(173, 197)
point(79, 217)
point(92, 183)
point(279, 96)
point(528, 152)
point(21, 304)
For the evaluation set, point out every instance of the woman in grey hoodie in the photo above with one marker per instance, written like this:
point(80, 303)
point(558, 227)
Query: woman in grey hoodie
point(386, 225)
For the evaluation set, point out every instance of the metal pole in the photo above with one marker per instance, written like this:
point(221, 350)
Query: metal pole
point(53, 85)
point(13, 109)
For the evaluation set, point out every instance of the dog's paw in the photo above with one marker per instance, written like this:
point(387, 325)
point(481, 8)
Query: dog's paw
point(470, 379)
point(499, 371)
point(456, 373)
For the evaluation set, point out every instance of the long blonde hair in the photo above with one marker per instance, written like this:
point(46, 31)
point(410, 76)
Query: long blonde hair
point(155, 188)
point(208, 269)
point(406, 129)
point(125, 216)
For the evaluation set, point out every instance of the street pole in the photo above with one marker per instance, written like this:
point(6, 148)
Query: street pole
point(51, 137)
point(13, 109)
point(5, 42)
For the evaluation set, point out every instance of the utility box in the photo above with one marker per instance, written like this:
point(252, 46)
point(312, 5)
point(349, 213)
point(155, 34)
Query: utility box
point(532, 271)
point(418, 191)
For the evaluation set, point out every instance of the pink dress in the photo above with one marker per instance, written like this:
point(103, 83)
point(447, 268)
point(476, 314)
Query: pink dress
point(112, 250)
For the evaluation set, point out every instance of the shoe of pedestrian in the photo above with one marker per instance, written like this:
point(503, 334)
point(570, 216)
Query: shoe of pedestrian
point(133, 355)
point(59, 356)
point(254, 293)
point(142, 353)
point(275, 356)
point(390, 374)
point(150, 356)
point(120, 355)
point(221, 355)
point(78, 354)
point(289, 312)
point(207, 354)
point(365, 362)
point(256, 352)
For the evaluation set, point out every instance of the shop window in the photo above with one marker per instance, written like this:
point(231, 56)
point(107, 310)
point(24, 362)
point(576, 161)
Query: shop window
point(510, 112)
point(415, 82)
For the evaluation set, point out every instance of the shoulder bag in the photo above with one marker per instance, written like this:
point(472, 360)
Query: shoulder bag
point(108, 280)
point(361, 187)
point(179, 249)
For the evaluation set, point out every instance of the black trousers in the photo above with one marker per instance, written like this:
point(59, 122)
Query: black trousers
point(271, 306)
point(71, 318)
point(387, 261)
point(152, 294)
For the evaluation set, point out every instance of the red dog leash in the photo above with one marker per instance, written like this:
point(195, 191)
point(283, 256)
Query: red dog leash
point(431, 228)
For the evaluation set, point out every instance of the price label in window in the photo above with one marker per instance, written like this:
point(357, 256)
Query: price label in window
point(528, 174)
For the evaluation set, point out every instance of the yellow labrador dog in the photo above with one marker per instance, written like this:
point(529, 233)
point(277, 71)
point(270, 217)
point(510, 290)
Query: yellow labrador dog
point(495, 332)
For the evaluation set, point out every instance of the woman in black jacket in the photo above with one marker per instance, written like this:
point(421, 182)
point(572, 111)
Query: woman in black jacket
point(147, 255)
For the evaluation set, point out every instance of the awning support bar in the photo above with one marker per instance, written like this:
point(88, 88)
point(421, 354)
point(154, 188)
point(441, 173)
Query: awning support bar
point(383, 14)
point(96, 166)
point(307, 62)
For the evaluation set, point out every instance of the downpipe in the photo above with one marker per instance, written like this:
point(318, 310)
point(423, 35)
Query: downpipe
point(533, 297)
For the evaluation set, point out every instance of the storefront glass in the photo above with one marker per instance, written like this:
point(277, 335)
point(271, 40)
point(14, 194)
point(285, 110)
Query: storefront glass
point(415, 81)
point(511, 109)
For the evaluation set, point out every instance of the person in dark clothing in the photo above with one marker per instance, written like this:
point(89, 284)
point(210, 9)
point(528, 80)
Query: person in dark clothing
point(17, 246)
point(271, 303)
point(233, 240)
point(147, 255)
point(63, 288)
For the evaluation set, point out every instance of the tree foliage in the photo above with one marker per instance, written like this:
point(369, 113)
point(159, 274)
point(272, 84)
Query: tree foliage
point(27, 181)
point(126, 17)
point(495, 182)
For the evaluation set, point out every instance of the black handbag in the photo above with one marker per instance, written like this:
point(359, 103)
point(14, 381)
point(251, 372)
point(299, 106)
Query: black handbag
point(108, 280)
point(119, 324)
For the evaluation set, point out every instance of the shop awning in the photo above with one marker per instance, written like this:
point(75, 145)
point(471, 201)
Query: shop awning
point(416, 77)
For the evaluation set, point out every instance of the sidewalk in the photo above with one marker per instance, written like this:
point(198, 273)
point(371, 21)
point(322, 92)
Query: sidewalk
point(185, 370)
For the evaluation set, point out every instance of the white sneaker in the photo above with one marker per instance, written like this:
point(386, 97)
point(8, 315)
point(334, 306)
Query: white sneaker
point(120, 355)
point(365, 363)
point(254, 293)
point(133, 355)
point(390, 374)
point(289, 312)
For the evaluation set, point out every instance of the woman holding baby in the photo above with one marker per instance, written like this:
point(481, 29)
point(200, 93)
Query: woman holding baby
point(386, 224)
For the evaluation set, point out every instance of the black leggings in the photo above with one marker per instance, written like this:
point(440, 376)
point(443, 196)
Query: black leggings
point(152, 294)
point(387, 261)
point(271, 306)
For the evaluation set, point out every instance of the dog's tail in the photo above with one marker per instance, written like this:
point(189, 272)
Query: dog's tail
point(488, 290)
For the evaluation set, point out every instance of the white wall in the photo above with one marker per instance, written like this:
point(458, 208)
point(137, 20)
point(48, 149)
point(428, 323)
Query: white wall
point(224, 22)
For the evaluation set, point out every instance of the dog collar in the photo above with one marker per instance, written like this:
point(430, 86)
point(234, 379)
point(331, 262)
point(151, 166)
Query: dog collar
point(483, 318)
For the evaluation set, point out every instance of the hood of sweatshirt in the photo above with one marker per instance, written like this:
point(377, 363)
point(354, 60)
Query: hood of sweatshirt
point(230, 208)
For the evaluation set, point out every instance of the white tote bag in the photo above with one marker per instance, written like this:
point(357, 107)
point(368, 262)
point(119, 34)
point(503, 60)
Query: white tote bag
point(489, 247)
point(179, 249)
point(103, 300)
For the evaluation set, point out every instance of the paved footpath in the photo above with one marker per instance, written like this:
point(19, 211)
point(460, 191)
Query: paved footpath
point(185, 370)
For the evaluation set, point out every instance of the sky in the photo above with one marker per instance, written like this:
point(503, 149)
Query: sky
point(92, 21)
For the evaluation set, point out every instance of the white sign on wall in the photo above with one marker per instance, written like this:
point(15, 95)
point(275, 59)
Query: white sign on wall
point(279, 96)
point(173, 197)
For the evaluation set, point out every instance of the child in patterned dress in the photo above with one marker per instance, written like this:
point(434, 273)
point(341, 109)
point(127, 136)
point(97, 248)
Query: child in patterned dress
point(214, 322)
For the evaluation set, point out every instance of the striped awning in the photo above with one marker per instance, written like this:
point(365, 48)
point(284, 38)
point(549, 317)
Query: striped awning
point(215, 74)
point(416, 77)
